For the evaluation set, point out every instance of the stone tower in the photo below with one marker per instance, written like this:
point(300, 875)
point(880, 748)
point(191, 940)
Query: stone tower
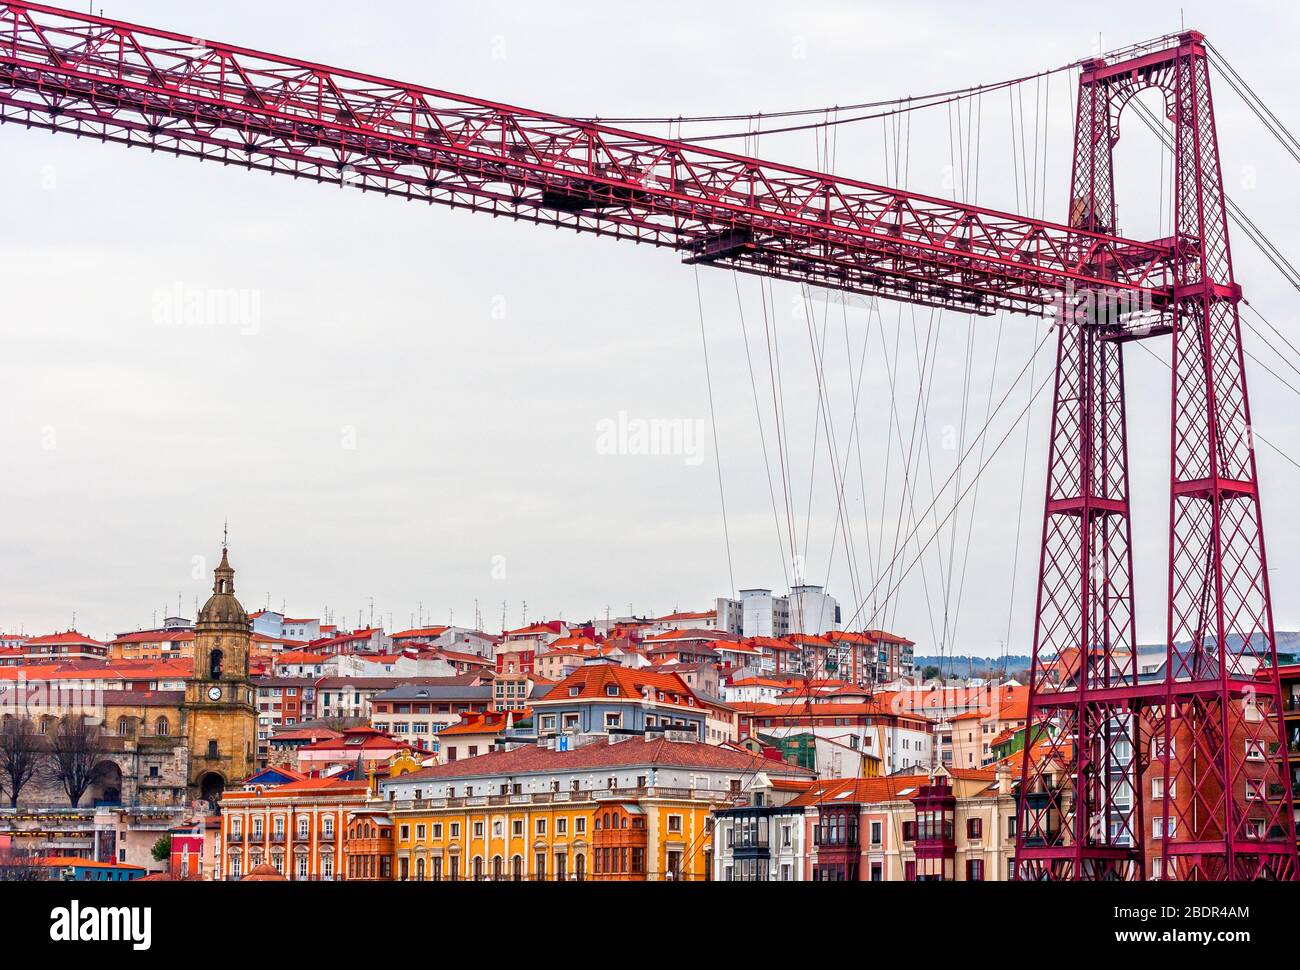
point(219, 710)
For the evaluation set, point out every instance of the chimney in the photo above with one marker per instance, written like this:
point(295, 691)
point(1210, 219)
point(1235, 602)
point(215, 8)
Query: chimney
point(1003, 775)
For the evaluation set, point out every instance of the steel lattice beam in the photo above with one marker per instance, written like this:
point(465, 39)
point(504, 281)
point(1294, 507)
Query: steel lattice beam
point(119, 82)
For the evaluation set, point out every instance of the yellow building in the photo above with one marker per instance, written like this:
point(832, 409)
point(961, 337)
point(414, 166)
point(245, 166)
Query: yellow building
point(613, 808)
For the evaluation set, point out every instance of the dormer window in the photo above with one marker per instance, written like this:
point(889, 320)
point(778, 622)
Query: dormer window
point(611, 690)
point(574, 691)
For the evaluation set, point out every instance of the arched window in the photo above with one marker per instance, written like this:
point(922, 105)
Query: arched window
point(517, 868)
point(580, 867)
point(419, 870)
point(123, 726)
point(496, 867)
point(214, 663)
point(478, 867)
point(47, 722)
point(162, 727)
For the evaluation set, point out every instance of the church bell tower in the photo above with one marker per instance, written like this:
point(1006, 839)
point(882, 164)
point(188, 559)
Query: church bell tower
point(220, 712)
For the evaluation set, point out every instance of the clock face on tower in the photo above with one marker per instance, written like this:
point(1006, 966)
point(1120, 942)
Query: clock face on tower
point(214, 693)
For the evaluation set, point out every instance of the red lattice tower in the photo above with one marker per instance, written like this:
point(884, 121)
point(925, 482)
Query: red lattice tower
point(1204, 735)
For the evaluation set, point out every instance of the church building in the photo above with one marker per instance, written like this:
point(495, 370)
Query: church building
point(166, 747)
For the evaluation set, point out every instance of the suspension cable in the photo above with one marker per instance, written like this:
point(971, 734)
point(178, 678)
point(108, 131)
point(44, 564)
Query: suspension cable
point(1253, 101)
point(908, 103)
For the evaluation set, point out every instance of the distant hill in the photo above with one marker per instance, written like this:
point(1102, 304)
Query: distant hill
point(962, 664)
point(1288, 648)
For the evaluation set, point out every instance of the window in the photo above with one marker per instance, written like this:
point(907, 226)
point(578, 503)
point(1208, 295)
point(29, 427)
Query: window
point(674, 824)
point(974, 870)
point(974, 828)
point(327, 826)
point(877, 833)
point(162, 727)
point(541, 826)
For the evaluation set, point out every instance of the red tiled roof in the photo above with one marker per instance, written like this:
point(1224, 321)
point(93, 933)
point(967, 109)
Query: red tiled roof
point(860, 790)
point(592, 681)
point(549, 626)
point(154, 636)
point(675, 617)
point(71, 637)
point(60, 861)
point(420, 631)
point(355, 739)
point(300, 657)
point(692, 635)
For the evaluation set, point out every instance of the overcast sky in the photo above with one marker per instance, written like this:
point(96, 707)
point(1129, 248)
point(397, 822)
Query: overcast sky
point(416, 412)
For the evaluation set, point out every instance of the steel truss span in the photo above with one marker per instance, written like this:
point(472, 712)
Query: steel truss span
point(1100, 728)
point(93, 77)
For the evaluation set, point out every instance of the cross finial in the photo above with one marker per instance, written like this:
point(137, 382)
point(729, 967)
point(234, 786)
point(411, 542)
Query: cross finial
point(225, 533)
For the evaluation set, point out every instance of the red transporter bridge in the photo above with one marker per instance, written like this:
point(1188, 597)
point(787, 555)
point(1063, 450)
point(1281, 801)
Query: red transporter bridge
point(1206, 720)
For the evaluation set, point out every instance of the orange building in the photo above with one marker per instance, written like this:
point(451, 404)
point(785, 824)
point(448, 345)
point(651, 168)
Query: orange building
point(299, 828)
point(153, 645)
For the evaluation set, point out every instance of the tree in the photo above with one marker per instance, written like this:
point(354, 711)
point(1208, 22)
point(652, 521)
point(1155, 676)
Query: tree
point(162, 849)
point(21, 754)
point(19, 866)
point(76, 749)
point(931, 672)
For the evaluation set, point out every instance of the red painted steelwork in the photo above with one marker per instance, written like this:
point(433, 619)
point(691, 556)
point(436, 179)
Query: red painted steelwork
point(1206, 731)
point(1228, 790)
point(119, 82)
